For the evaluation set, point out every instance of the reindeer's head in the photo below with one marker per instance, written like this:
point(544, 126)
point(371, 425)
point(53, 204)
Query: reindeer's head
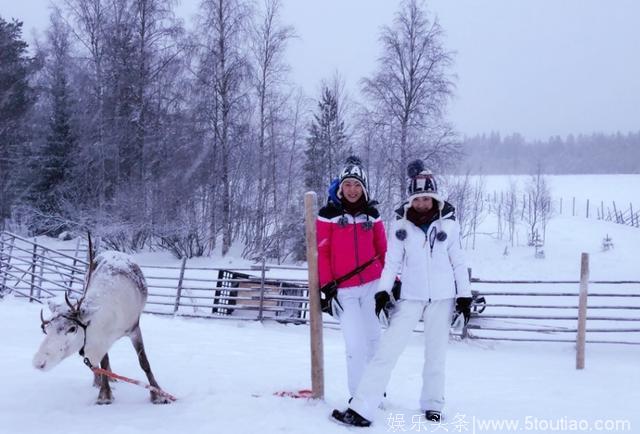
point(66, 331)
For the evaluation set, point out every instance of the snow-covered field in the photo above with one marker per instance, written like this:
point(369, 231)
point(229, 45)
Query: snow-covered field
point(620, 188)
point(224, 373)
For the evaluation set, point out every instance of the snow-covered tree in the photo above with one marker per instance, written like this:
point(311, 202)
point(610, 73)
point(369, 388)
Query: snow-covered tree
point(52, 164)
point(327, 144)
point(16, 98)
point(410, 91)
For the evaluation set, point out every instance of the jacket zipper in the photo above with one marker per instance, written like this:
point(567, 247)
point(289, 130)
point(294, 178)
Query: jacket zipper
point(428, 257)
point(355, 237)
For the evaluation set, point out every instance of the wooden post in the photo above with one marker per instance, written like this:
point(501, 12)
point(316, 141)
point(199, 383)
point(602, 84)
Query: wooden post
point(560, 206)
point(5, 264)
point(582, 311)
point(34, 260)
point(315, 313)
point(573, 208)
point(41, 274)
point(587, 208)
point(2, 256)
point(176, 306)
point(262, 277)
point(74, 264)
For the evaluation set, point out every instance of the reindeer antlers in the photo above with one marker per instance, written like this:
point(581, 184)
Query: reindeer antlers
point(44, 322)
point(90, 267)
point(76, 307)
point(71, 306)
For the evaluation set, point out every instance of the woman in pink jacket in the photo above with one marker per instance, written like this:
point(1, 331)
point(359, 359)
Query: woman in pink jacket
point(350, 235)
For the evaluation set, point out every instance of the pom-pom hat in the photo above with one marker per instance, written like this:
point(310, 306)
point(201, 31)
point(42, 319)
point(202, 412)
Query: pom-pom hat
point(422, 183)
point(353, 170)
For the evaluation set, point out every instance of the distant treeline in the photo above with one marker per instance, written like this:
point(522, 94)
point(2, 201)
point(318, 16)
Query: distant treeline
point(512, 154)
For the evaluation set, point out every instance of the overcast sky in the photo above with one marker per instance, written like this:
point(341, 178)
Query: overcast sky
point(538, 67)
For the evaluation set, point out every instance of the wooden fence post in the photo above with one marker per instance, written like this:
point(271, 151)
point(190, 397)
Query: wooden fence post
point(5, 262)
point(34, 260)
point(573, 208)
point(315, 313)
point(582, 311)
point(587, 208)
point(176, 306)
point(262, 278)
point(41, 274)
point(74, 263)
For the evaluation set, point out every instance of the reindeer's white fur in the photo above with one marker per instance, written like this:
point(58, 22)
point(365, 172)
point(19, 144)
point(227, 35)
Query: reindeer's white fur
point(113, 302)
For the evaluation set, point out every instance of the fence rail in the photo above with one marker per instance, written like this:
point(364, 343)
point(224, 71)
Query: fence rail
point(530, 310)
point(33, 271)
point(549, 313)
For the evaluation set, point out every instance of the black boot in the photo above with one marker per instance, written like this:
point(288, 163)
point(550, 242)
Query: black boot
point(350, 417)
point(433, 415)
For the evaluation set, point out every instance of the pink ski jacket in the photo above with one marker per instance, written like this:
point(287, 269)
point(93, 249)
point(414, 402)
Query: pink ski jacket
point(346, 242)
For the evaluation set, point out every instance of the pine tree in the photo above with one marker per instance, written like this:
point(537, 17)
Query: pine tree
point(410, 90)
point(53, 165)
point(326, 144)
point(16, 98)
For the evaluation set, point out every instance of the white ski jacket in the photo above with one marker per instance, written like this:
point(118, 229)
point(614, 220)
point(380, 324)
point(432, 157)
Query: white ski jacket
point(430, 269)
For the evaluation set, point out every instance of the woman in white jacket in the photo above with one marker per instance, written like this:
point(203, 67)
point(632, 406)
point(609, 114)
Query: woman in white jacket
point(424, 246)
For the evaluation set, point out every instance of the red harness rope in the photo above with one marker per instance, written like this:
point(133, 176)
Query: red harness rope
point(161, 392)
point(304, 393)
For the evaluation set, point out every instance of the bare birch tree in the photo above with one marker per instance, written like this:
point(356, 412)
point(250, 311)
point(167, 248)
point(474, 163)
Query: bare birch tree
point(269, 39)
point(412, 86)
point(225, 70)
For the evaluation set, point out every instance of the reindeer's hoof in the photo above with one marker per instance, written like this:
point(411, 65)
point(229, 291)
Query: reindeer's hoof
point(97, 380)
point(104, 401)
point(158, 399)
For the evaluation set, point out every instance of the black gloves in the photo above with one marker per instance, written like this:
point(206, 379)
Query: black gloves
point(330, 292)
point(463, 306)
point(383, 302)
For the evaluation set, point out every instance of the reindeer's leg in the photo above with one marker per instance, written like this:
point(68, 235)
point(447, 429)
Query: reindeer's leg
point(138, 344)
point(105, 396)
point(104, 364)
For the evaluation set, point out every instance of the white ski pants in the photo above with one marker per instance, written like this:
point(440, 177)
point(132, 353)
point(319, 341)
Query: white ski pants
point(360, 328)
point(404, 317)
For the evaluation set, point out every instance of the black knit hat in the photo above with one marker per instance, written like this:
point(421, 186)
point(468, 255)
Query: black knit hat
point(353, 170)
point(421, 182)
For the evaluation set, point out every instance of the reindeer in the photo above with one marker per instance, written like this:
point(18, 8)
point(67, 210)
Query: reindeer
point(114, 295)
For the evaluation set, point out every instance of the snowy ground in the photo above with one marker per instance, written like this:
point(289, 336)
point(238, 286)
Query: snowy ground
point(224, 374)
point(596, 188)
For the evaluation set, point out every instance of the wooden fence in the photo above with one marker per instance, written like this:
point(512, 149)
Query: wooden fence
point(547, 311)
point(625, 214)
point(542, 310)
point(36, 272)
